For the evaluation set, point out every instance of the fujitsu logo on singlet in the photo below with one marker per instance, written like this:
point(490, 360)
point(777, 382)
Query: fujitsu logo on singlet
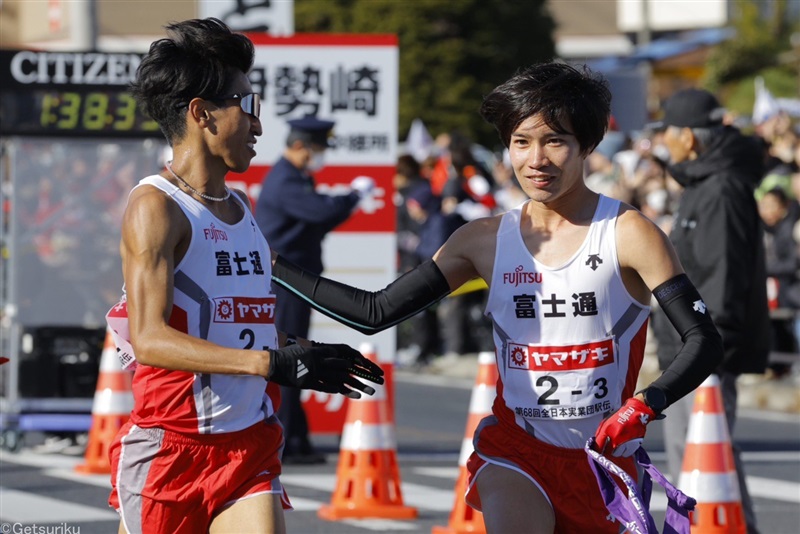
point(214, 234)
point(519, 276)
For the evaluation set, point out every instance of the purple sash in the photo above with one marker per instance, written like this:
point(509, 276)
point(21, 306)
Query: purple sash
point(633, 511)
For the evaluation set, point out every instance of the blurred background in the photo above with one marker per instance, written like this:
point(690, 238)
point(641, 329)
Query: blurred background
point(403, 80)
point(73, 142)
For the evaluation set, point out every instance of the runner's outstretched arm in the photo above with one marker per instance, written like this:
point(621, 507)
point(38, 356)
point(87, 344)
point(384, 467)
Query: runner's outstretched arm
point(368, 312)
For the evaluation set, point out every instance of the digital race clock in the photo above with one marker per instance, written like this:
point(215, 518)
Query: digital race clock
point(70, 94)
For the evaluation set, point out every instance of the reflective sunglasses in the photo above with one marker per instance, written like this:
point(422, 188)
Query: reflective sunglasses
point(249, 102)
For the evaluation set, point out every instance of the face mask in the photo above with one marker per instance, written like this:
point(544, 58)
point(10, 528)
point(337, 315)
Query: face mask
point(317, 161)
point(661, 152)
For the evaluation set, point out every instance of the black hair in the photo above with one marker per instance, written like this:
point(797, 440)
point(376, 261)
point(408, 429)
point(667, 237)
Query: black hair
point(780, 195)
point(407, 166)
point(195, 60)
point(571, 101)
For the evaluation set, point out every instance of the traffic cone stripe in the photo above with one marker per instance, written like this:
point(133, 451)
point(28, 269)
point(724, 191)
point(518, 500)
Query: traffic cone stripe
point(466, 450)
point(108, 402)
point(482, 396)
point(705, 427)
point(367, 477)
point(357, 436)
point(367, 412)
point(710, 457)
point(711, 487)
point(709, 473)
point(111, 408)
point(463, 518)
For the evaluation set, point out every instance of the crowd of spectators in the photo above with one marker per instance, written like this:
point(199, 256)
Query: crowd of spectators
point(459, 182)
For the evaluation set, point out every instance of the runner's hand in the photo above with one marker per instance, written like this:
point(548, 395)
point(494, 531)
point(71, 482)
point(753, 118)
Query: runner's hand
point(622, 432)
point(359, 365)
point(328, 368)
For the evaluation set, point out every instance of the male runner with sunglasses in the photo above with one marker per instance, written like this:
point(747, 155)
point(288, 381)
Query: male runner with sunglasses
point(201, 452)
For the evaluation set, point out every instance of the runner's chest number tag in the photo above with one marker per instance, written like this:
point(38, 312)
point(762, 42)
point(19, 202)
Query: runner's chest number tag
point(562, 381)
point(245, 322)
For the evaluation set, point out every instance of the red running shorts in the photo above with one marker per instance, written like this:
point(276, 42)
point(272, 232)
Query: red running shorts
point(562, 475)
point(167, 482)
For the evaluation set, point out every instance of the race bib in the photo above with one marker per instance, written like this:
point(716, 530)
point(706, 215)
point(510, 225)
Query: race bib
point(244, 322)
point(562, 381)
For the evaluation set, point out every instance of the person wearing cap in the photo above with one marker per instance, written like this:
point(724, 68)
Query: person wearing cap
point(718, 237)
point(295, 219)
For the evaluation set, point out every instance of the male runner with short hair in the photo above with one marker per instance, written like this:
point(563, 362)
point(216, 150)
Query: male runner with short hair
point(570, 276)
point(201, 452)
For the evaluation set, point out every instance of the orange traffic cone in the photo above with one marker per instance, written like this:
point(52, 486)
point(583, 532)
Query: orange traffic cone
point(113, 402)
point(464, 518)
point(367, 477)
point(708, 473)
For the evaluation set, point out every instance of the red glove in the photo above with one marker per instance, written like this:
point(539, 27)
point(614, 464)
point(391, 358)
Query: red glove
point(622, 432)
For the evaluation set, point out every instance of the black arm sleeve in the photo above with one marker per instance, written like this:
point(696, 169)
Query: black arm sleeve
point(369, 312)
point(702, 344)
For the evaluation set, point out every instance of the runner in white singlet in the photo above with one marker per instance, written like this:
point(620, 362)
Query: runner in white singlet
point(201, 451)
point(570, 275)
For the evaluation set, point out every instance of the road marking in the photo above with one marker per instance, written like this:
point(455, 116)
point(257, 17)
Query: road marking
point(32, 459)
point(383, 524)
point(777, 490)
point(764, 457)
point(438, 472)
point(101, 481)
point(417, 495)
point(769, 415)
point(301, 504)
point(24, 507)
point(435, 380)
point(29, 507)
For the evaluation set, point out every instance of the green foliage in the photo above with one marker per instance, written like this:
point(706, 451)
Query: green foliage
point(757, 44)
point(452, 52)
point(739, 95)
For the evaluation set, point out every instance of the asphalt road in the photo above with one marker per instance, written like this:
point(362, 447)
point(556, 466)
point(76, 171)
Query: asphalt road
point(39, 487)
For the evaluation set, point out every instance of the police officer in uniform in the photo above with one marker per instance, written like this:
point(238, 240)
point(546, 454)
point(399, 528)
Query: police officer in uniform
point(295, 219)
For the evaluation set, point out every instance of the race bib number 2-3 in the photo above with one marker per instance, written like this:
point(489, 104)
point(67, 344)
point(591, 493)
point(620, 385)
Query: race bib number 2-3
point(563, 381)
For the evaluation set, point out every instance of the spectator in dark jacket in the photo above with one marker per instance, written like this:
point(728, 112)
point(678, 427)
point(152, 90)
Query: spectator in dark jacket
point(780, 216)
point(718, 236)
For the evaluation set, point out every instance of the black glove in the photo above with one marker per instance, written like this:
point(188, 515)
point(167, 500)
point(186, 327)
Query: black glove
point(322, 367)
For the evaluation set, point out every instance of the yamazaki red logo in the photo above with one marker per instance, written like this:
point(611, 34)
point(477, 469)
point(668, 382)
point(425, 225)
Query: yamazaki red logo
point(375, 213)
point(560, 357)
point(250, 310)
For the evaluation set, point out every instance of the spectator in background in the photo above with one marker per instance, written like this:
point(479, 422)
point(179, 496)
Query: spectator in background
point(466, 196)
point(718, 237)
point(508, 194)
point(604, 174)
point(406, 178)
point(433, 229)
point(783, 265)
point(467, 192)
